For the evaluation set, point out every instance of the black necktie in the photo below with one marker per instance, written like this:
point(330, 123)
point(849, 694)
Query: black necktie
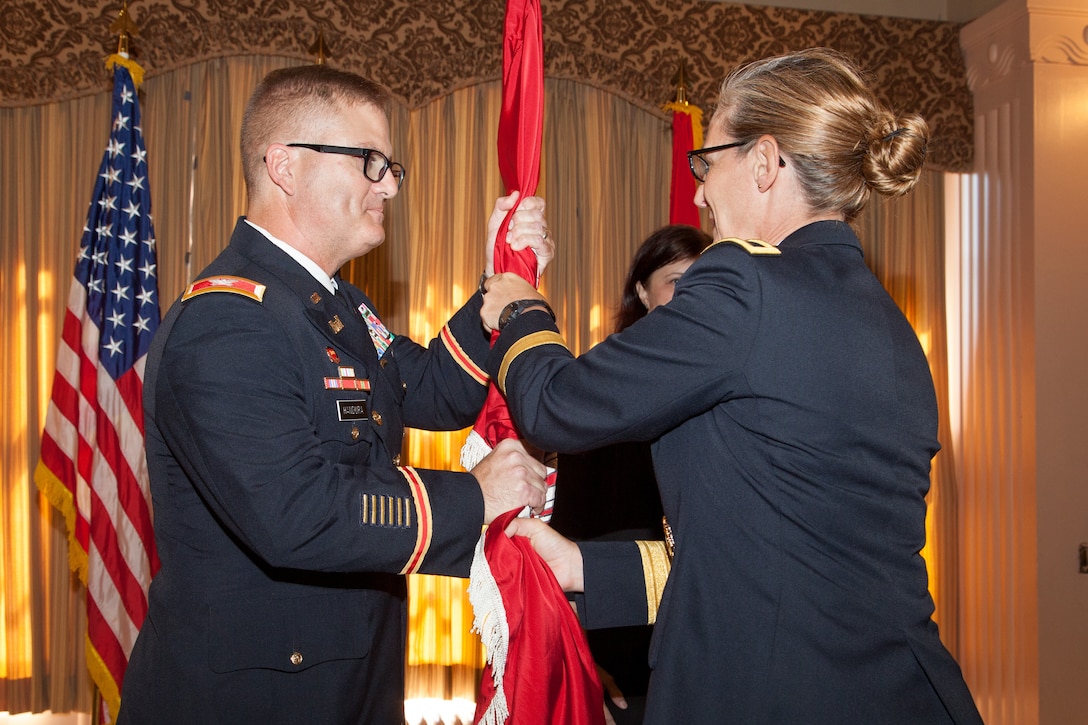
point(342, 296)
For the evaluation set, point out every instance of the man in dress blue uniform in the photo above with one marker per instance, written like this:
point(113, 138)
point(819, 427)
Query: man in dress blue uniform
point(275, 404)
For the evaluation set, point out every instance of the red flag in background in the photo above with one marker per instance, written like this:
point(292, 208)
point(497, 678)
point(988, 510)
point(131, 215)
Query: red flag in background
point(92, 466)
point(521, 128)
point(687, 134)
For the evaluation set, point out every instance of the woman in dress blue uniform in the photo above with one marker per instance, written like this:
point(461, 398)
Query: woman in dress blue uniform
point(793, 417)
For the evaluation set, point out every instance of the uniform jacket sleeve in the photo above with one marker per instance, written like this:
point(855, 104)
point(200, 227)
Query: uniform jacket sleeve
point(666, 368)
point(624, 581)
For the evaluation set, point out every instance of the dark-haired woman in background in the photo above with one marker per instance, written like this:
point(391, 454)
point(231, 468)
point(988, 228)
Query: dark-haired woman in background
point(610, 493)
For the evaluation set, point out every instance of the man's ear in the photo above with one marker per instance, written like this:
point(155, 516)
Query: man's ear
point(277, 162)
point(768, 158)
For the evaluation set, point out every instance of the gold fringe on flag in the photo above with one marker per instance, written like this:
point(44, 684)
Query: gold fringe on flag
point(134, 68)
point(696, 114)
point(60, 496)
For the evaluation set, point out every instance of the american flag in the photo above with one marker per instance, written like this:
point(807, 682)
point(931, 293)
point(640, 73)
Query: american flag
point(92, 466)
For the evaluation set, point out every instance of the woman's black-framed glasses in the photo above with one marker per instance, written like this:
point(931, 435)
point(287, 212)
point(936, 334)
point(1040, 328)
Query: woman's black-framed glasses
point(375, 163)
point(699, 165)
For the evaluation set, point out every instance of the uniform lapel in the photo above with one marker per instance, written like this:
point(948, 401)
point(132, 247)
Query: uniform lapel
point(324, 311)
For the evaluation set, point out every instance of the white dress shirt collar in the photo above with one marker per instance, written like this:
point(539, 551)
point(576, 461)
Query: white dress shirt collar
point(308, 264)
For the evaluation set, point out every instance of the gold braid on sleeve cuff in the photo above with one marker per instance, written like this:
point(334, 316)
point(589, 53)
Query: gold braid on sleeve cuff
point(536, 339)
point(655, 571)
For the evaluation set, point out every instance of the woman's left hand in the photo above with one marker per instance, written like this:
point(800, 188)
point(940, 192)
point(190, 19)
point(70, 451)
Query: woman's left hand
point(561, 554)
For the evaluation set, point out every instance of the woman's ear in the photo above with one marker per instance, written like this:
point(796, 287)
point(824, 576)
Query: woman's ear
point(768, 160)
point(643, 295)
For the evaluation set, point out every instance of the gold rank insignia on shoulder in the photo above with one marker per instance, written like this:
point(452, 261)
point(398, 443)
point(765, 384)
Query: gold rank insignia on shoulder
point(752, 246)
point(226, 283)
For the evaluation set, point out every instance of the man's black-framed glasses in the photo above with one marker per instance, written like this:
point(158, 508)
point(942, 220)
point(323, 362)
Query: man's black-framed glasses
point(375, 163)
point(698, 163)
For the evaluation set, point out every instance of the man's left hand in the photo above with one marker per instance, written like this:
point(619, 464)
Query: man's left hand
point(528, 230)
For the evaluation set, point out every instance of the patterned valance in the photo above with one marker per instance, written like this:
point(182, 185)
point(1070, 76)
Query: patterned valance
point(422, 49)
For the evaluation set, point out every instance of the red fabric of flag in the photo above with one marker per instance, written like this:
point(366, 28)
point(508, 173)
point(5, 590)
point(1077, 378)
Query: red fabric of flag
point(521, 122)
point(521, 128)
point(686, 136)
point(92, 466)
point(543, 672)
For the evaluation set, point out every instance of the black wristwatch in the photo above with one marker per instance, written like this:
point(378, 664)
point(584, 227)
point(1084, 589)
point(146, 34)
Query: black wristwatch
point(515, 308)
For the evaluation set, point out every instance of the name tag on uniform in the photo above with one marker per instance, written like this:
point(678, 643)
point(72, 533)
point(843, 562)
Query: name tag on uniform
point(351, 409)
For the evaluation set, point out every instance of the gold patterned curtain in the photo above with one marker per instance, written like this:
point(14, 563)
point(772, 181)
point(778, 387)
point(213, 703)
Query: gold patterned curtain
point(52, 49)
point(904, 243)
point(605, 175)
point(49, 157)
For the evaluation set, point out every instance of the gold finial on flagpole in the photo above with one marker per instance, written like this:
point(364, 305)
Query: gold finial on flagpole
point(680, 105)
point(124, 28)
point(319, 48)
point(681, 82)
